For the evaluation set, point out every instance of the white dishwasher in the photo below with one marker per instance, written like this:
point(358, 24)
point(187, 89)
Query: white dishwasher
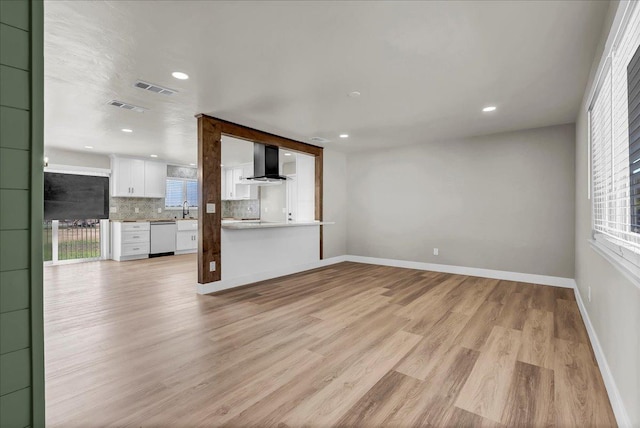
point(163, 238)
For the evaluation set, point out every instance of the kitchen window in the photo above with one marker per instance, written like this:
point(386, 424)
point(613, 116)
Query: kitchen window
point(180, 190)
point(614, 129)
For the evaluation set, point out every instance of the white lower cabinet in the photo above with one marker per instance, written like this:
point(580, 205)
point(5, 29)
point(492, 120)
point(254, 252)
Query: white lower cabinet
point(130, 240)
point(187, 236)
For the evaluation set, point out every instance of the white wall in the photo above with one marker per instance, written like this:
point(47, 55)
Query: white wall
point(614, 309)
point(503, 202)
point(73, 158)
point(334, 203)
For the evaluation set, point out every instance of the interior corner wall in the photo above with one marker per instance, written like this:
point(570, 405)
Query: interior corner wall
point(334, 203)
point(21, 207)
point(502, 202)
point(614, 309)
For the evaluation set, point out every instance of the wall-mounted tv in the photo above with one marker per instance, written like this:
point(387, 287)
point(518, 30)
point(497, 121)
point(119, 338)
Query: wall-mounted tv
point(70, 196)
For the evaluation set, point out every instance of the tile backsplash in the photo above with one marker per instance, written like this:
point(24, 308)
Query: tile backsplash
point(249, 209)
point(148, 207)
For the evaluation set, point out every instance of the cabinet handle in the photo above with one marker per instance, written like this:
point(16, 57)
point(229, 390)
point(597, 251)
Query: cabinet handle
point(136, 236)
point(136, 249)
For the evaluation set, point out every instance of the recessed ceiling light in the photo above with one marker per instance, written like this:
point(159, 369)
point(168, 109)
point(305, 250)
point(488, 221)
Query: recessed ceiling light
point(489, 109)
point(287, 154)
point(344, 135)
point(354, 94)
point(154, 156)
point(88, 147)
point(180, 75)
point(192, 164)
point(127, 130)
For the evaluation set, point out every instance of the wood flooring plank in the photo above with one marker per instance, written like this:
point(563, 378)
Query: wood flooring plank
point(330, 403)
point(579, 388)
point(436, 342)
point(514, 311)
point(568, 322)
point(485, 392)
point(475, 333)
point(532, 397)
point(537, 339)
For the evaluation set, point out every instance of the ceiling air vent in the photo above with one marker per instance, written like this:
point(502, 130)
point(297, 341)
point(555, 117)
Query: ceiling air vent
point(319, 140)
point(154, 88)
point(126, 106)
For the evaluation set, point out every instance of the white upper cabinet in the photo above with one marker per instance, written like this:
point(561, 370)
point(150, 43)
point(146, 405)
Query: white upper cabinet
point(155, 179)
point(137, 178)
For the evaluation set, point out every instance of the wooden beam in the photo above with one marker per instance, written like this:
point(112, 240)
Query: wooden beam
point(209, 192)
point(243, 132)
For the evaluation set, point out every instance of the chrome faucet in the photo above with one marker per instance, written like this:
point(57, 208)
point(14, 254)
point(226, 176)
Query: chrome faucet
point(185, 209)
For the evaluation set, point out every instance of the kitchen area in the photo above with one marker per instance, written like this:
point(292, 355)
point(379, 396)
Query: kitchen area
point(151, 206)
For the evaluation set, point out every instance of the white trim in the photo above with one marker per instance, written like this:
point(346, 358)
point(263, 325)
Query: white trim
point(619, 410)
point(555, 281)
point(212, 287)
point(621, 17)
point(78, 170)
point(628, 269)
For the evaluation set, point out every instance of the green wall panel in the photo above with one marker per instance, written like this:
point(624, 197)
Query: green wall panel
point(15, 371)
point(15, 408)
point(21, 206)
point(14, 331)
point(14, 87)
point(14, 169)
point(14, 128)
point(15, 13)
point(14, 250)
point(14, 209)
point(14, 290)
point(14, 47)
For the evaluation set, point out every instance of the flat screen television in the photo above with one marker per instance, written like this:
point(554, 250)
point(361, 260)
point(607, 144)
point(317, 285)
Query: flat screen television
point(71, 197)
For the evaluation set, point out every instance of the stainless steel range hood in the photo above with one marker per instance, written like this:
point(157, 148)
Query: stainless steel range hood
point(266, 164)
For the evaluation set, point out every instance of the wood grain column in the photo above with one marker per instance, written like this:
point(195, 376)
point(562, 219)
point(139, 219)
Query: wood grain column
point(209, 192)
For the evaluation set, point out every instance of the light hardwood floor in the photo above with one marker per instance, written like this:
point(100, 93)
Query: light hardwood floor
point(131, 344)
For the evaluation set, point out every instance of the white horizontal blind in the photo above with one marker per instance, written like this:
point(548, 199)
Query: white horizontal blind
point(180, 190)
point(611, 163)
point(175, 193)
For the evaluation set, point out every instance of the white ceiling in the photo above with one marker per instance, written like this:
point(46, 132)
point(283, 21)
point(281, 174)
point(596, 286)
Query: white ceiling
point(425, 70)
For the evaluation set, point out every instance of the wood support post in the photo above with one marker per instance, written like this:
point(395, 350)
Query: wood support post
point(209, 195)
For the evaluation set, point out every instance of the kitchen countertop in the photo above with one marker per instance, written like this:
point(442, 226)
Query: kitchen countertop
point(247, 224)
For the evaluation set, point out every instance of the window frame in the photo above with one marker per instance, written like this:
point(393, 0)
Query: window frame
point(615, 250)
point(184, 192)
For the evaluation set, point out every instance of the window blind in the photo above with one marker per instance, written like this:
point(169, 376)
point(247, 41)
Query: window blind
point(180, 190)
point(615, 146)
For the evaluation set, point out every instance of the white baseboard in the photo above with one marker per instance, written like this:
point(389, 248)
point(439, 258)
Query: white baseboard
point(555, 281)
point(212, 287)
point(620, 412)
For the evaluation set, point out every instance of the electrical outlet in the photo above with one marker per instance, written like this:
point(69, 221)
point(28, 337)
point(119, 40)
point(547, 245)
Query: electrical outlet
point(589, 294)
point(113, 209)
point(212, 266)
point(159, 210)
point(211, 208)
point(266, 209)
point(284, 211)
point(137, 210)
point(436, 251)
